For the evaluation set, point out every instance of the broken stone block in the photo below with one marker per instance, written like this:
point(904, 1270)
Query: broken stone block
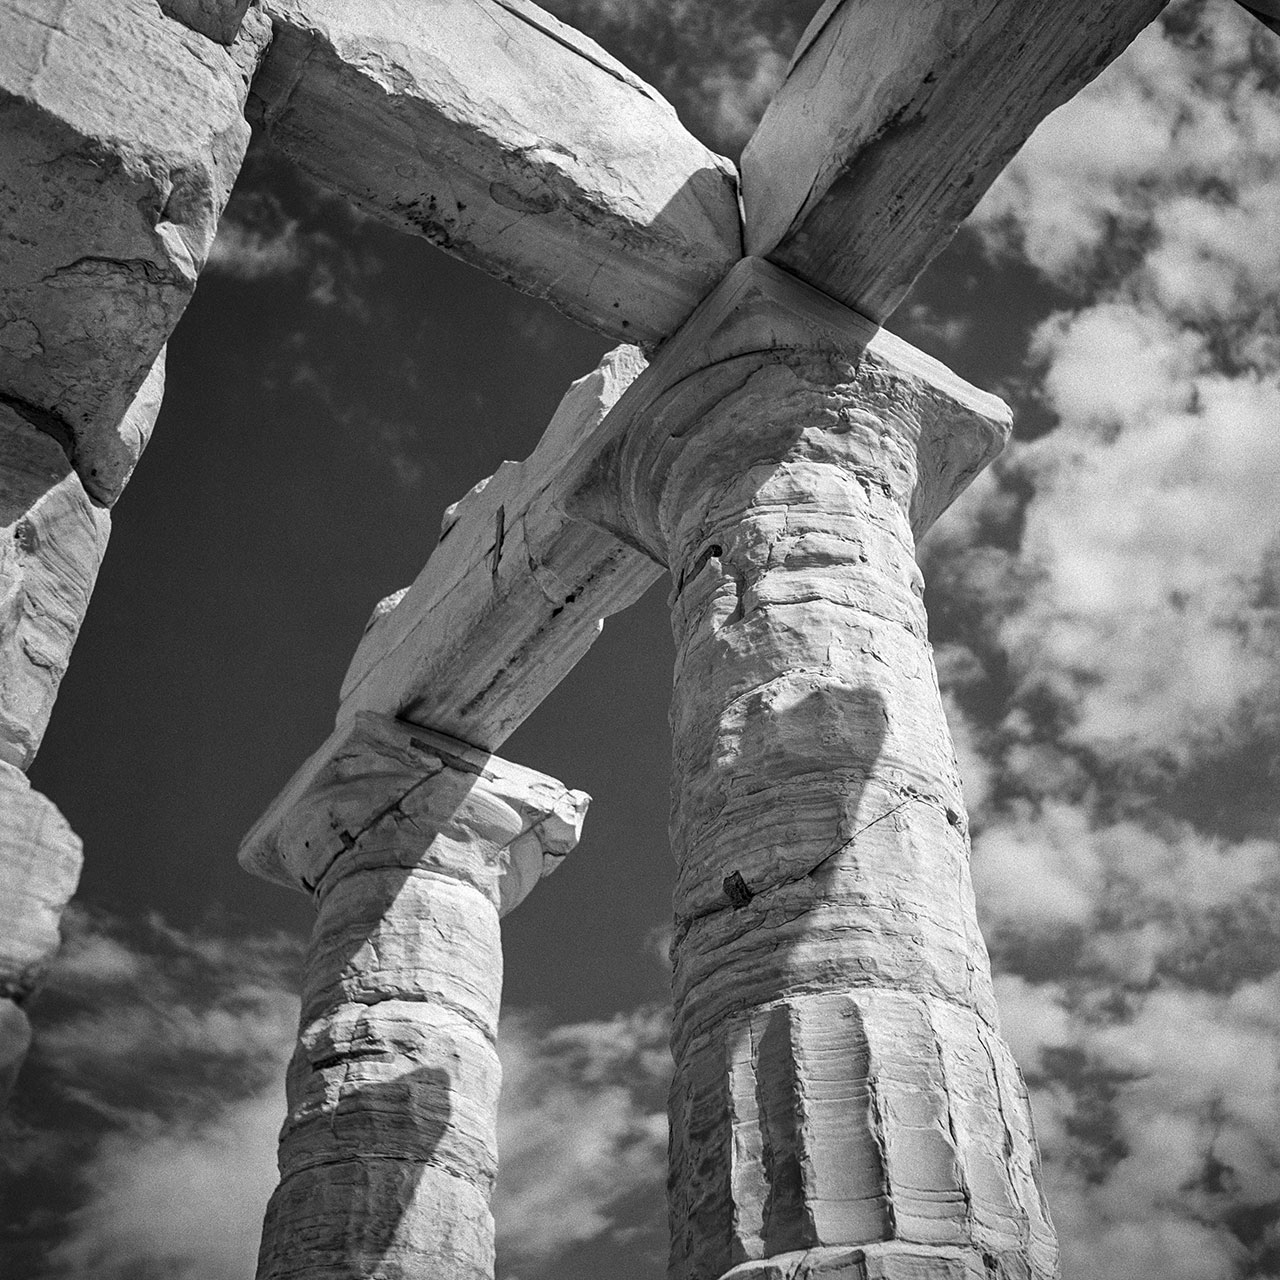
point(121, 133)
point(218, 19)
point(52, 539)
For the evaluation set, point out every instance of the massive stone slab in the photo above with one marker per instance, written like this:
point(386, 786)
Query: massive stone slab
point(40, 860)
point(409, 842)
point(121, 132)
point(894, 119)
point(512, 141)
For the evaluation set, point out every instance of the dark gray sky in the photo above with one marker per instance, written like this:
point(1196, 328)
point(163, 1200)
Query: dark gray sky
point(1104, 612)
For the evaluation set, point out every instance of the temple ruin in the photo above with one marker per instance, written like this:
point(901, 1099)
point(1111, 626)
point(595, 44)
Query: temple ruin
point(843, 1104)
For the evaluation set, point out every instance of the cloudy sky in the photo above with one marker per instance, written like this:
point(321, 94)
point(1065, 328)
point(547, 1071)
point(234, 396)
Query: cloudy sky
point(1105, 607)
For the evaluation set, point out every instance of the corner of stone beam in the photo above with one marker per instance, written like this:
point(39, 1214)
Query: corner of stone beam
point(373, 766)
point(216, 20)
point(761, 315)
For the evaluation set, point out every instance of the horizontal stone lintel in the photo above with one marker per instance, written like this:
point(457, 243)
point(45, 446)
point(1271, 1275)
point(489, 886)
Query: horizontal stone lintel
point(895, 118)
point(511, 141)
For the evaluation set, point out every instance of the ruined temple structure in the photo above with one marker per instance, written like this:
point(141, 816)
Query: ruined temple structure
point(843, 1104)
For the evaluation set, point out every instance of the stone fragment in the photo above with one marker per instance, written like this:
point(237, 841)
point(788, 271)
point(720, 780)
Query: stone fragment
point(511, 141)
point(121, 133)
point(52, 540)
point(388, 1155)
point(218, 19)
point(39, 867)
point(895, 118)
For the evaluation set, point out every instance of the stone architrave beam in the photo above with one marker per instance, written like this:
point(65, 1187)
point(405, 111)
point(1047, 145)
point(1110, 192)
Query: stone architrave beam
point(507, 604)
point(511, 141)
point(843, 1103)
point(413, 845)
point(895, 118)
point(513, 595)
point(121, 132)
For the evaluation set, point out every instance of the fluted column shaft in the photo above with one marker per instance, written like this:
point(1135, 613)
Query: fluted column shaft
point(843, 1104)
point(388, 1154)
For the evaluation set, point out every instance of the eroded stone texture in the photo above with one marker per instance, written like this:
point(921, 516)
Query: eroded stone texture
point(513, 595)
point(39, 866)
point(52, 539)
point(512, 141)
point(894, 119)
point(413, 844)
point(840, 1080)
point(218, 19)
point(121, 133)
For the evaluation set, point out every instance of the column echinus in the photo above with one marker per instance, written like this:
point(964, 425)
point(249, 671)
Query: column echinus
point(412, 845)
point(843, 1103)
point(121, 131)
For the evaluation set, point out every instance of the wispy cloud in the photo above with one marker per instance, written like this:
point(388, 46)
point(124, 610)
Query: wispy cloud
point(1110, 623)
point(582, 1136)
point(163, 1052)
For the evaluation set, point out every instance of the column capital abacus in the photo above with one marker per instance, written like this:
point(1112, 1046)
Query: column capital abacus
point(374, 770)
point(758, 332)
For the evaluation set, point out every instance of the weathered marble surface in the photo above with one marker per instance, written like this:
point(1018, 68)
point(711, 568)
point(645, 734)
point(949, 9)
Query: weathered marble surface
point(514, 594)
point(840, 1080)
point(389, 1153)
point(895, 118)
point(512, 141)
point(362, 771)
point(52, 539)
point(121, 132)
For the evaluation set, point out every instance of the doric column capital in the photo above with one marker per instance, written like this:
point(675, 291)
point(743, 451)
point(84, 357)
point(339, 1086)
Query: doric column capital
point(501, 826)
point(907, 422)
point(411, 844)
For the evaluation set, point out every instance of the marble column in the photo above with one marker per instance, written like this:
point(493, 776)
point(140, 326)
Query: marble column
point(412, 844)
point(843, 1103)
